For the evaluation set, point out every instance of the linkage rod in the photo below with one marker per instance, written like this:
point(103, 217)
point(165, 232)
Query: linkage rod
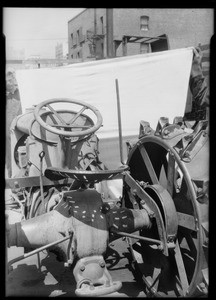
point(138, 237)
point(39, 250)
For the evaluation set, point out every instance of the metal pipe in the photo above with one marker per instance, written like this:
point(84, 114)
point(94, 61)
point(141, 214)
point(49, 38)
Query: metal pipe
point(25, 255)
point(109, 32)
point(95, 21)
point(119, 122)
point(41, 156)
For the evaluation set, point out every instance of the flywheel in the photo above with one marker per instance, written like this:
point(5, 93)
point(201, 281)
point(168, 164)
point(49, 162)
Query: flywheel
point(171, 166)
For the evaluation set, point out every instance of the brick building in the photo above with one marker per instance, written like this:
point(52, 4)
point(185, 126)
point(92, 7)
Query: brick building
point(101, 33)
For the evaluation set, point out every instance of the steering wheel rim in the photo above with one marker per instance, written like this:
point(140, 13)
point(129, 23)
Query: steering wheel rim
point(85, 105)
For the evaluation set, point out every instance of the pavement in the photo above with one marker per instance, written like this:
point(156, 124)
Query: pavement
point(47, 277)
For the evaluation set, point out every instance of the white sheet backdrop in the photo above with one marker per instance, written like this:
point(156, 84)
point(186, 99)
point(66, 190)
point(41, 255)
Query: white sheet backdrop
point(151, 86)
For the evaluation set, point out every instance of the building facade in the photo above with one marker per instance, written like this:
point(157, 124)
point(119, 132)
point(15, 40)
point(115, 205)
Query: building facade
point(101, 33)
point(61, 51)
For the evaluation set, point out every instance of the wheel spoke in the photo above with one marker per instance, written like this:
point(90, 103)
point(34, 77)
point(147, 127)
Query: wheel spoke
point(181, 269)
point(56, 114)
point(149, 165)
point(77, 115)
point(170, 173)
point(155, 279)
point(186, 221)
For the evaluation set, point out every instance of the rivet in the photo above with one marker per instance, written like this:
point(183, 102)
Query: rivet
point(82, 268)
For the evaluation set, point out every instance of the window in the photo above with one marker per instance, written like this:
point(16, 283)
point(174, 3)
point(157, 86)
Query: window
point(144, 23)
point(78, 37)
point(81, 36)
point(72, 39)
point(101, 25)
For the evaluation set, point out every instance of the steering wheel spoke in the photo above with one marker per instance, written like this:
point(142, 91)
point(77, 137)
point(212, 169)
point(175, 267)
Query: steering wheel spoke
point(77, 115)
point(56, 114)
point(70, 126)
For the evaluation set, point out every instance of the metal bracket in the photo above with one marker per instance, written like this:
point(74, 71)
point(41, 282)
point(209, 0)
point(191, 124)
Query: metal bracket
point(143, 195)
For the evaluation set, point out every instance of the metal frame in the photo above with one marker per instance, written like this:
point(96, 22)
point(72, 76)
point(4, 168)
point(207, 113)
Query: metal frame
point(135, 39)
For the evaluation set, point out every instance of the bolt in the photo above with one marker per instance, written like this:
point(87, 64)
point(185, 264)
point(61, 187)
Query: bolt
point(82, 268)
point(134, 191)
point(68, 263)
point(102, 264)
point(202, 285)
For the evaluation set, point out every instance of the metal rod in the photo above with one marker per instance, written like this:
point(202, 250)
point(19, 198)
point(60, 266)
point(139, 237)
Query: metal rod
point(138, 237)
point(39, 263)
point(95, 21)
point(38, 250)
point(119, 122)
point(41, 155)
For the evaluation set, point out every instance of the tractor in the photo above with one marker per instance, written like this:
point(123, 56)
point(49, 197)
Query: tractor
point(67, 207)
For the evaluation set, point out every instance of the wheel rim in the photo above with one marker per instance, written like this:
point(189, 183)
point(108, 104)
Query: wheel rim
point(153, 160)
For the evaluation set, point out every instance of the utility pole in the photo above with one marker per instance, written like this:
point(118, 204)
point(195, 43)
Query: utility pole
point(109, 32)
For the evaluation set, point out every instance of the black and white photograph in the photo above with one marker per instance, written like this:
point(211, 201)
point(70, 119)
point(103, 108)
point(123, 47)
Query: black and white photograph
point(107, 151)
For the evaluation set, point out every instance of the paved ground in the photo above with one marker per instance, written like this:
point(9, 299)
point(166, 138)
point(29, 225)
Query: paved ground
point(52, 279)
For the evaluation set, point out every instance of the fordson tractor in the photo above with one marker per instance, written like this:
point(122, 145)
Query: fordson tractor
point(61, 185)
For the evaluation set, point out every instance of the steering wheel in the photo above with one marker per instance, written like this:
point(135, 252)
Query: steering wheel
point(70, 124)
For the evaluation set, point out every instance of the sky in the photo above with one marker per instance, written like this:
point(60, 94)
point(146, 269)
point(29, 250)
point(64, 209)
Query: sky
point(36, 30)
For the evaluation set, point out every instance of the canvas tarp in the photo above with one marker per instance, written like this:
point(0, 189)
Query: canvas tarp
point(151, 86)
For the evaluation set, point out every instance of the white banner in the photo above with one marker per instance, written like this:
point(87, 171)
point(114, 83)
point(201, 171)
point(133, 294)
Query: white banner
point(151, 86)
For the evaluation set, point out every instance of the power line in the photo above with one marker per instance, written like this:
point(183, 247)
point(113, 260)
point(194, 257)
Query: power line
point(46, 39)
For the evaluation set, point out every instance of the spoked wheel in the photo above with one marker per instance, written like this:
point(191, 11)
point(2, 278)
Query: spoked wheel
point(174, 185)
